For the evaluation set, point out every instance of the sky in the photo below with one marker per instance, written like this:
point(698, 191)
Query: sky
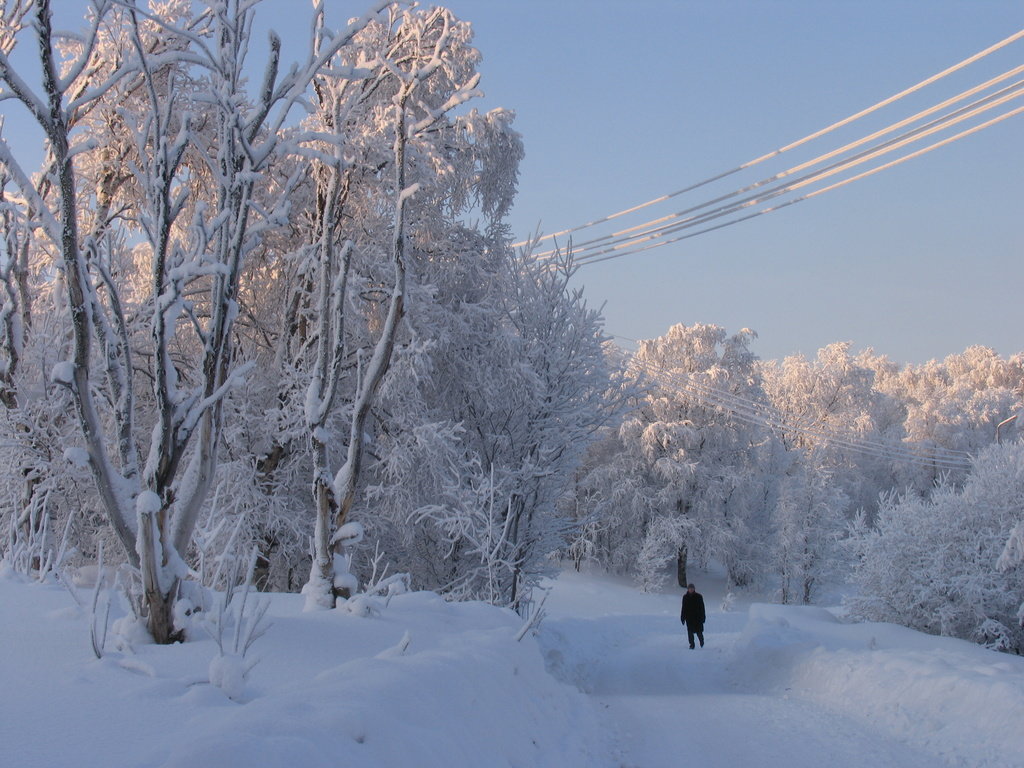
point(619, 103)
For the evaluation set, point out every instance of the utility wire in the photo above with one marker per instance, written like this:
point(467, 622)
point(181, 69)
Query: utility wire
point(613, 253)
point(600, 246)
point(775, 153)
point(580, 247)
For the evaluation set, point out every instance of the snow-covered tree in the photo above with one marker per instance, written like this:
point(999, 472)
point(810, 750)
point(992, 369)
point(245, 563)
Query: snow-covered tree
point(519, 392)
point(808, 521)
point(955, 405)
point(152, 494)
point(834, 420)
point(934, 564)
point(371, 282)
point(694, 466)
point(418, 49)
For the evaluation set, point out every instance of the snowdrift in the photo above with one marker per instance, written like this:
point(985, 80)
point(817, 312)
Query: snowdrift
point(949, 697)
point(332, 690)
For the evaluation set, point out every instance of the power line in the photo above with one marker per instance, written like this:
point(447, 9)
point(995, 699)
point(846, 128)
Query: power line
point(953, 118)
point(614, 252)
point(990, 101)
point(775, 153)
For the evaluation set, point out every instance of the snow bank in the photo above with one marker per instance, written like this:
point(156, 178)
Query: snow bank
point(960, 702)
point(476, 698)
point(330, 690)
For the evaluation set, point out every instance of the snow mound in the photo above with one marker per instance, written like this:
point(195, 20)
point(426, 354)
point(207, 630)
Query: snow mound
point(949, 697)
point(331, 690)
point(478, 700)
point(227, 672)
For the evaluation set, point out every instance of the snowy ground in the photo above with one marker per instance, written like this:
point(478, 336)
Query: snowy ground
point(779, 686)
point(773, 686)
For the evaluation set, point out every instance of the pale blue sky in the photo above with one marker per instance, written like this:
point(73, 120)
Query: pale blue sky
point(619, 102)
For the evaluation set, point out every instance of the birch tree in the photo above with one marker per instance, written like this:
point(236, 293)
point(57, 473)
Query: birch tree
point(153, 503)
point(419, 76)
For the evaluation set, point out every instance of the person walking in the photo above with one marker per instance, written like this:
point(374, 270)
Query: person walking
point(692, 614)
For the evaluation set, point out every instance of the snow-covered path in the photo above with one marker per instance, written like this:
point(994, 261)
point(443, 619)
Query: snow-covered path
point(669, 705)
point(737, 729)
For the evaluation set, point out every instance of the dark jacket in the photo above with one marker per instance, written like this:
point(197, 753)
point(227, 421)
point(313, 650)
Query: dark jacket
point(692, 613)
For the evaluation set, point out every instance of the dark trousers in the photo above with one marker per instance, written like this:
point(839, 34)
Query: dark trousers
point(697, 630)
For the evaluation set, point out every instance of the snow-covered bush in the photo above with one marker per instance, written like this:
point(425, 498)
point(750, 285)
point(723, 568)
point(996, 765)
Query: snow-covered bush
point(932, 564)
point(235, 621)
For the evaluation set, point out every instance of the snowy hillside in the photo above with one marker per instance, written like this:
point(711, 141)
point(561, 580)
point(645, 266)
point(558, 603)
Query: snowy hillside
point(774, 686)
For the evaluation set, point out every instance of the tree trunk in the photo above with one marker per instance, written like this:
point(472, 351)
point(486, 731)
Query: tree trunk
point(160, 621)
point(319, 589)
point(159, 603)
point(681, 566)
point(347, 477)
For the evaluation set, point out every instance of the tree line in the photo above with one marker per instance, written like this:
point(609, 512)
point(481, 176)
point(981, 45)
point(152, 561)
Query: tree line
point(801, 474)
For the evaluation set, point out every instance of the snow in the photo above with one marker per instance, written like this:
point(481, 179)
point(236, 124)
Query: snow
point(147, 503)
point(228, 672)
point(346, 580)
point(77, 457)
point(350, 533)
point(608, 681)
point(331, 689)
point(946, 696)
point(408, 192)
point(63, 372)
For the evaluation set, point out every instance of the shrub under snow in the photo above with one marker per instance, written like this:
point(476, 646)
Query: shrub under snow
point(933, 565)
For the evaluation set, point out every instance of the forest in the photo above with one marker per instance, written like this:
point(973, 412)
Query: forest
point(263, 320)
